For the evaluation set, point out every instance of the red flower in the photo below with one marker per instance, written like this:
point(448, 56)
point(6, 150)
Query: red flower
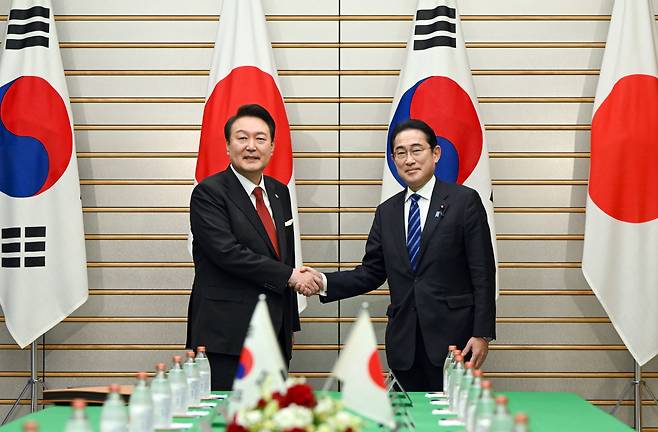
point(295, 430)
point(261, 403)
point(302, 395)
point(281, 399)
point(234, 427)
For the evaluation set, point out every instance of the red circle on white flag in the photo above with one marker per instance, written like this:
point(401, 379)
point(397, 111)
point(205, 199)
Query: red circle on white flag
point(243, 85)
point(623, 178)
point(375, 369)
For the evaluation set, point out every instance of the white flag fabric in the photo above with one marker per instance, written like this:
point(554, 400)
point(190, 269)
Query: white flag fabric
point(261, 362)
point(436, 86)
point(621, 231)
point(243, 72)
point(359, 369)
point(43, 275)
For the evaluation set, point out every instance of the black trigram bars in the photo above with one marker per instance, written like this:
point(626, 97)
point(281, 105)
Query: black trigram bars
point(33, 244)
point(424, 27)
point(39, 22)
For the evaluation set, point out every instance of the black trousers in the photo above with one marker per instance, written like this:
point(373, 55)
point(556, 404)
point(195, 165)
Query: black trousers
point(423, 374)
point(223, 367)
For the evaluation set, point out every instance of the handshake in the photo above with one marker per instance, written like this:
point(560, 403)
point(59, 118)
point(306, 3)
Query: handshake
point(306, 281)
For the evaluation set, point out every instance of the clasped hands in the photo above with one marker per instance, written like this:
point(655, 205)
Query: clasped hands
point(306, 281)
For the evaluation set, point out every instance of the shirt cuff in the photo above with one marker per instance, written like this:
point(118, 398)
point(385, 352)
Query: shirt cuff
point(323, 290)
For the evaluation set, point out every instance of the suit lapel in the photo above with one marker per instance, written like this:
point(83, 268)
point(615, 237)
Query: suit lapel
point(237, 194)
point(399, 235)
point(278, 216)
point(438, 207)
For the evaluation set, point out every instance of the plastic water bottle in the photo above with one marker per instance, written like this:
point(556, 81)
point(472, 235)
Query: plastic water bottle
point(464, 388)
point(192, 373)
point(114, 415)
point(161, 392)
point(446, 365)
point(30, 426)
point(178, 384)
point(448, 382)
point(78, 421)
point(140, 406)
point(204, 371)
point(521, 422)
point(455, 382)
point(502, 420)
point(485, 409)
point(471, 402)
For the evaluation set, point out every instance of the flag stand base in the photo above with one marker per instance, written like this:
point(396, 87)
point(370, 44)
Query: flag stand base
point(636, 385)
point(399, 400)
point(32, 384)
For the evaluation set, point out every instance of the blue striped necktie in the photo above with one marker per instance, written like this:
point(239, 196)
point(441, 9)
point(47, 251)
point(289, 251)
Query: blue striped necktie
point(413, 231)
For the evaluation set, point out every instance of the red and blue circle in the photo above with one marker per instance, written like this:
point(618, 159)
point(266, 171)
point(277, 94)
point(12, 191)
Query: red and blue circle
point(623, 178)
point(448, 110)
point(243, 85)
point(246, 363)
point(36, 140)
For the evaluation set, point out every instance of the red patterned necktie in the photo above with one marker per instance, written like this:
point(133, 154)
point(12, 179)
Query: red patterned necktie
point(266, 218)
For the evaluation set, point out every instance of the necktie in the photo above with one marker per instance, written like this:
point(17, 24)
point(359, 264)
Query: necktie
point(413, 231)
point(266, 219)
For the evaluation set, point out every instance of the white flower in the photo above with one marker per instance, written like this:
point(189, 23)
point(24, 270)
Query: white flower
point(325, 407)
point(293, 416)
point(249, 419)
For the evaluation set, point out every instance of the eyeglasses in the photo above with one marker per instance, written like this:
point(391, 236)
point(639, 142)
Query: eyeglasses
point(415, 152)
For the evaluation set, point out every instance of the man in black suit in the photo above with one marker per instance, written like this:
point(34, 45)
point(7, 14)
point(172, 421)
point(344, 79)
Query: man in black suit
point(432, 243)
point(243, 246)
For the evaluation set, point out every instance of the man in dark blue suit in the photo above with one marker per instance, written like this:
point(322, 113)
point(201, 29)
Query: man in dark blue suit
point(243, 246)
point(432, 243)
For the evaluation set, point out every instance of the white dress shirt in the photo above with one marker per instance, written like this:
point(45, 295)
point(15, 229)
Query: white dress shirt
point(249, 187)
point(425, 193)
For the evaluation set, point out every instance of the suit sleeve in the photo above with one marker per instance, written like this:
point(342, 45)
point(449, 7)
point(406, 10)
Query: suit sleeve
point(211, 228)
point(368, 276)
point(482, 267)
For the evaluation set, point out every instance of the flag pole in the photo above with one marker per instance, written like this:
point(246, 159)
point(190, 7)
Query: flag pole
point(32, 384)
point(637, 405)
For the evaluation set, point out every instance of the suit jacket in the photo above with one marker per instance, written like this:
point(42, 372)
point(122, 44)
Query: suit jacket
point(451, 294)
point(235, 262)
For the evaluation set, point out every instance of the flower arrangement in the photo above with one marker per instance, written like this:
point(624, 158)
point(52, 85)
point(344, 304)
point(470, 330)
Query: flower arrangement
point(296, 410)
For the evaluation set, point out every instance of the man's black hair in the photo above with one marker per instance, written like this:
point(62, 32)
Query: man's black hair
point(251, 110)
point(414, 124)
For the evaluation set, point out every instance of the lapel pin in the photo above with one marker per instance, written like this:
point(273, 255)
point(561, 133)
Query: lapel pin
point(439, 213)
point(276, 196)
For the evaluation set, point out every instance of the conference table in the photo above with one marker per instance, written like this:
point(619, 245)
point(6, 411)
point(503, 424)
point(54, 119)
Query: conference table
point(548, 412)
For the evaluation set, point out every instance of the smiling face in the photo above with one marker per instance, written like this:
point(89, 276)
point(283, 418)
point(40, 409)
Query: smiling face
point(413, 157)
point(250, 147)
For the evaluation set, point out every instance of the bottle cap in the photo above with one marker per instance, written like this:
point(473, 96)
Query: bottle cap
point(452, 347)
point(468, 365)
point(486, 384)
point(177, 359)
point(141, 376)
point(190, 354)
point(201, 349)
point(79, 404)
point(30, 426)
point(521, 418)
point(501, 400)
point(478, 373)
point(160, 367)
point(115, 388)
